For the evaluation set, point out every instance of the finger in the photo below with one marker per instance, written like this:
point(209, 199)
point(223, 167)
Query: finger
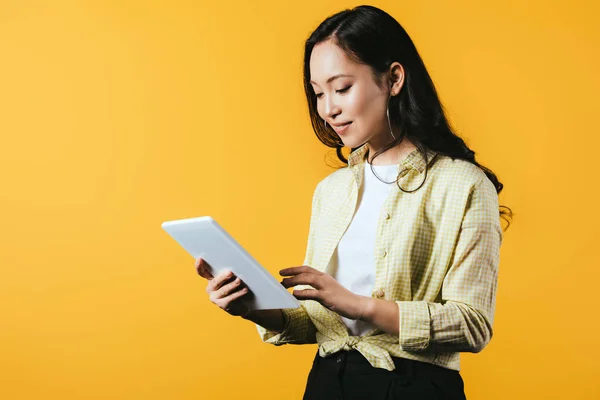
point(203, 272)
point(296, 270)
point(221, 279)
point(224, 303)
point(227, 289)
point(305, 278)
point(202, 268)
point(307, 294)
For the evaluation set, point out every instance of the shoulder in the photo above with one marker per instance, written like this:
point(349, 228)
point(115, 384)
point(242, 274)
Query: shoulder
point(465, 184)
point(333, 186)
point(335, 179)
point(456, 169)
point(459, 174)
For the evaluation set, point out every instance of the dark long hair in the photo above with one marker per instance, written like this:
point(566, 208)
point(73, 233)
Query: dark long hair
point(370, 36)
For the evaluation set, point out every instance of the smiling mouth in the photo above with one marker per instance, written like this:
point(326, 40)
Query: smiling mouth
point(341, 128)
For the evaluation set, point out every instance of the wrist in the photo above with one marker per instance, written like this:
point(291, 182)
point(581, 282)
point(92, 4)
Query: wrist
point(366, 306)
point(272, 319)
point(250, 315)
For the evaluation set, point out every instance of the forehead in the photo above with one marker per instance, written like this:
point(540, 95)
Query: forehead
point(328, 59)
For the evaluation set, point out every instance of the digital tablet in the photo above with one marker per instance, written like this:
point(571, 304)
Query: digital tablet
point(204, 237)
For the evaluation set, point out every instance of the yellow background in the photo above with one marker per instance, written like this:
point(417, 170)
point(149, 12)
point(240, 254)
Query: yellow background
point(118, 115)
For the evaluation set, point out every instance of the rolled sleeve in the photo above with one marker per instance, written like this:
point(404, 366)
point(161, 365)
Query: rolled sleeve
point(415, 325)
point(297, 329)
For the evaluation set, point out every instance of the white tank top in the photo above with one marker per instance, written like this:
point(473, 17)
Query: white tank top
point(353, 261)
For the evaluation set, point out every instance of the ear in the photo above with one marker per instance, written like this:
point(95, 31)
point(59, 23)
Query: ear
point(396, 78)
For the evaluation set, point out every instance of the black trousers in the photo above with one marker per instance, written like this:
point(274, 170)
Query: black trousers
point(347, 375)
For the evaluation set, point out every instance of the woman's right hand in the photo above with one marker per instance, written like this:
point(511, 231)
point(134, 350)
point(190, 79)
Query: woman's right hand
point(224, 290)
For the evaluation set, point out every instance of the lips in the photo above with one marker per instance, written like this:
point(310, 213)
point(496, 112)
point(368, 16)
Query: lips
point(341, 128)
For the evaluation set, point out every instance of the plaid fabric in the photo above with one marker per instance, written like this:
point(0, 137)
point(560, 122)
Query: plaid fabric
point(436, 256)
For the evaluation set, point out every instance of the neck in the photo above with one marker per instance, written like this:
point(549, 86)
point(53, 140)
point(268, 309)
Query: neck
point(391, 156)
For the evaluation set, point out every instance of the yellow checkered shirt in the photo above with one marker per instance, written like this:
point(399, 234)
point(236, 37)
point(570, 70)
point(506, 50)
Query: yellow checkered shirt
point(436, 256)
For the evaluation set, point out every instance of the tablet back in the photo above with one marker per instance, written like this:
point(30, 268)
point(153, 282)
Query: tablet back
point(204, 237)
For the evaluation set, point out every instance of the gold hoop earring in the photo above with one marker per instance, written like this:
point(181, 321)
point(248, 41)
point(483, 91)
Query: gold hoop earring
point(388, 118)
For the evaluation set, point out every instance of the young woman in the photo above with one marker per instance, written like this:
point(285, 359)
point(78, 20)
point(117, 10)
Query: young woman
point(402, 259)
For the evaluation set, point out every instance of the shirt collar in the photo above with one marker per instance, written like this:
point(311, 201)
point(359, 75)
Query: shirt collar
point(414, 160)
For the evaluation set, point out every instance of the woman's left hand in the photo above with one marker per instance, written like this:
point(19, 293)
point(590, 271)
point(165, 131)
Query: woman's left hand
point(327, 291)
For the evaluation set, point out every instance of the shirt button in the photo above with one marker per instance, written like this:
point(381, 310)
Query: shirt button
point(339, 359)
point(384, 253)
point(387, 216)
point(379, 293)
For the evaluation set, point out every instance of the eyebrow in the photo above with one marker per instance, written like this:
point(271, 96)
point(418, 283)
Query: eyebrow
point(334, 77)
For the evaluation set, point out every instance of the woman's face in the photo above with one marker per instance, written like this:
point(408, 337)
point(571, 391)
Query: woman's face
point(353, 97)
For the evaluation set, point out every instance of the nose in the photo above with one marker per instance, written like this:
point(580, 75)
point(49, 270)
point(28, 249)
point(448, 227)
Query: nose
point(330, 108)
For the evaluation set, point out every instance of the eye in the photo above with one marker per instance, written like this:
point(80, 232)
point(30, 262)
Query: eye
point(344, 90)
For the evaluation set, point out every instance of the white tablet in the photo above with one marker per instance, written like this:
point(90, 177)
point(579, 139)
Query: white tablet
point(204, 237)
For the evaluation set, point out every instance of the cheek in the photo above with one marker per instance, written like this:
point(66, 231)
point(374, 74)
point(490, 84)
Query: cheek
point(320, 109)
point(359, 105)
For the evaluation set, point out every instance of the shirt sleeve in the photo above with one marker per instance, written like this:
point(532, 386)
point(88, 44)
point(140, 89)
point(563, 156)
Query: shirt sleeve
point(462, 322)
point(298, 327)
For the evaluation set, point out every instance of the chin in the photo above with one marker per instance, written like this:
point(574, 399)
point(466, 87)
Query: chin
point(353, 143)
